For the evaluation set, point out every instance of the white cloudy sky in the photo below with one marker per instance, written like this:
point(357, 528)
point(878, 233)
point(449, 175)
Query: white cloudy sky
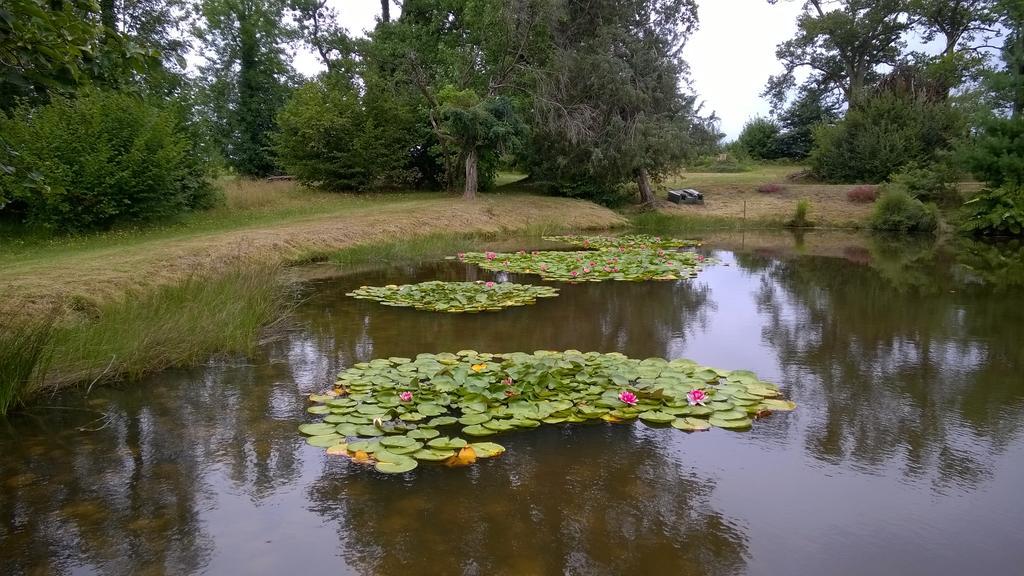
point(731, 56)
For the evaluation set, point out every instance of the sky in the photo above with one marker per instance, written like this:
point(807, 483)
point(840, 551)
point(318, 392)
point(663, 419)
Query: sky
point(731, 56)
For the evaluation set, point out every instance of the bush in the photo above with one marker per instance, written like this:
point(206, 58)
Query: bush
point(863, 194)
point(800, 219)
point(333, 137)
point(896, 211)
point(935, 183)
point(771, 188)
point(996, 212)
point(101, 159)
point(881, 135)
point(759, 137)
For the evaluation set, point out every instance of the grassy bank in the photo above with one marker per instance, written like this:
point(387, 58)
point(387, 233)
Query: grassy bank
point(176, 325)
point(84, 310)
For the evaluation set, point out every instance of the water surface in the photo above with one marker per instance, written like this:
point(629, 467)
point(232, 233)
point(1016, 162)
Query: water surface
point(905, 455)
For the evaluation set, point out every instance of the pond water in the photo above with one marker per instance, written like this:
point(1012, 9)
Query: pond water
point(905, 456)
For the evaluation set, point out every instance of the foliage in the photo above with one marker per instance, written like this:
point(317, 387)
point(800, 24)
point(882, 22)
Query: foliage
point(771, 188)
point(455, 296)
point(935, 183)
point(996, 212)
point(592, 266)
point(626, 241)
point(332, 137)
point(896, 211)
point(800, 219)
point(608, 106)
point(880, 136)
point(800, 119)
point(862, 194)
point(99, 160)
point(392, 412)
point(760, 138)
point(23, 356)
point(478, 127)
point(841, 47)
point(247, 78)
point(52, 47)
point(996, 154)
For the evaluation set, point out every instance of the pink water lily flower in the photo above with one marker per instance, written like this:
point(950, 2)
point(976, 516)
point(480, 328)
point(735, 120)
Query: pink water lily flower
point(490, 284)
point(574, 273)
point(627, 397)
point(405, 396)
point(586, 270)
point(508, 381)
point(696, 397)
point(490, 255)
point(543, 266)
point(462, 255)
point(661, 252)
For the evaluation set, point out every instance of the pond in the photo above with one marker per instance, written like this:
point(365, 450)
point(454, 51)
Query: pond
point(906, 453)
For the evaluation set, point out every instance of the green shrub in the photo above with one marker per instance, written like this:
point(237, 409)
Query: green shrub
point(759, 138)
point(800, 219)
point(881, 135)
point(896, 211)
point(101, 159)
point(996, 155)
point(935, 183)
point(333, 137)
point(996, 212)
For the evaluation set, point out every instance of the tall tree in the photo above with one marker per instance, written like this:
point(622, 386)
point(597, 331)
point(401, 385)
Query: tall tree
point(842, 47)
point(248, 77)
point(608, 99)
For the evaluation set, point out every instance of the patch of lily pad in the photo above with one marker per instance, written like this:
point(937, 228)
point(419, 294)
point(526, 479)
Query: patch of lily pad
point(625, 242)
point(456, 296)
point(592, 266)
point(396, 413)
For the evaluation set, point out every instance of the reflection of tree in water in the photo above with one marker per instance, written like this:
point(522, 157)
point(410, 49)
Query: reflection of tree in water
point(127, 497)
point(922, 367)
point(637, 318)
point(558, 502)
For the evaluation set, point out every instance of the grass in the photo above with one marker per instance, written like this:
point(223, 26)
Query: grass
point(176, 325)
point(23, 352)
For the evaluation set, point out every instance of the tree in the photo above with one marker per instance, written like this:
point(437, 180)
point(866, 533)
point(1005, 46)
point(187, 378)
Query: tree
point(248, 77)
point(608, 103)
point(476, 126)
point(842, 48)
point(759, 138)
point(799, 121)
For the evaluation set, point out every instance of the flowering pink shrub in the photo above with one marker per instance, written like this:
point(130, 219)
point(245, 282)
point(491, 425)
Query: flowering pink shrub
point(770, 188)
point(863, 194)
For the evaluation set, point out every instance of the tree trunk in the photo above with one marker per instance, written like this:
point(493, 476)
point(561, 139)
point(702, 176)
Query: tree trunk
point(643, 181)
point(385, 10)
point(471, 176)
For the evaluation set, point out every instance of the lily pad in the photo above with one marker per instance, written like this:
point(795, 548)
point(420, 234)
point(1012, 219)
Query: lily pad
point(485, 394)
point(626, 242)
point(487, 449)
point(399, 467)
point(691, 424)
point(455, 296)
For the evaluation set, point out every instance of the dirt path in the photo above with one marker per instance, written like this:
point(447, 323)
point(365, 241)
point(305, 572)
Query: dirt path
point(103, 273)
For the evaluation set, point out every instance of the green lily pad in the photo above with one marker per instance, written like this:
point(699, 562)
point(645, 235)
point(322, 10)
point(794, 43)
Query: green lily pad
point(423, 433)
point(731, 424)
point(471, 419)
point(369, 431)
point(778, 405)
point(405, 449)
point(397, 441)
point(478, 430)
point(318, 409)
point(446, 443)
point(399, 467)
point(325, 440)
point(691, 424)
point(487, 449)
point(316, 429)
point(656, 417)
point(433, 454)
point(442, 421)
point(455, 296)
